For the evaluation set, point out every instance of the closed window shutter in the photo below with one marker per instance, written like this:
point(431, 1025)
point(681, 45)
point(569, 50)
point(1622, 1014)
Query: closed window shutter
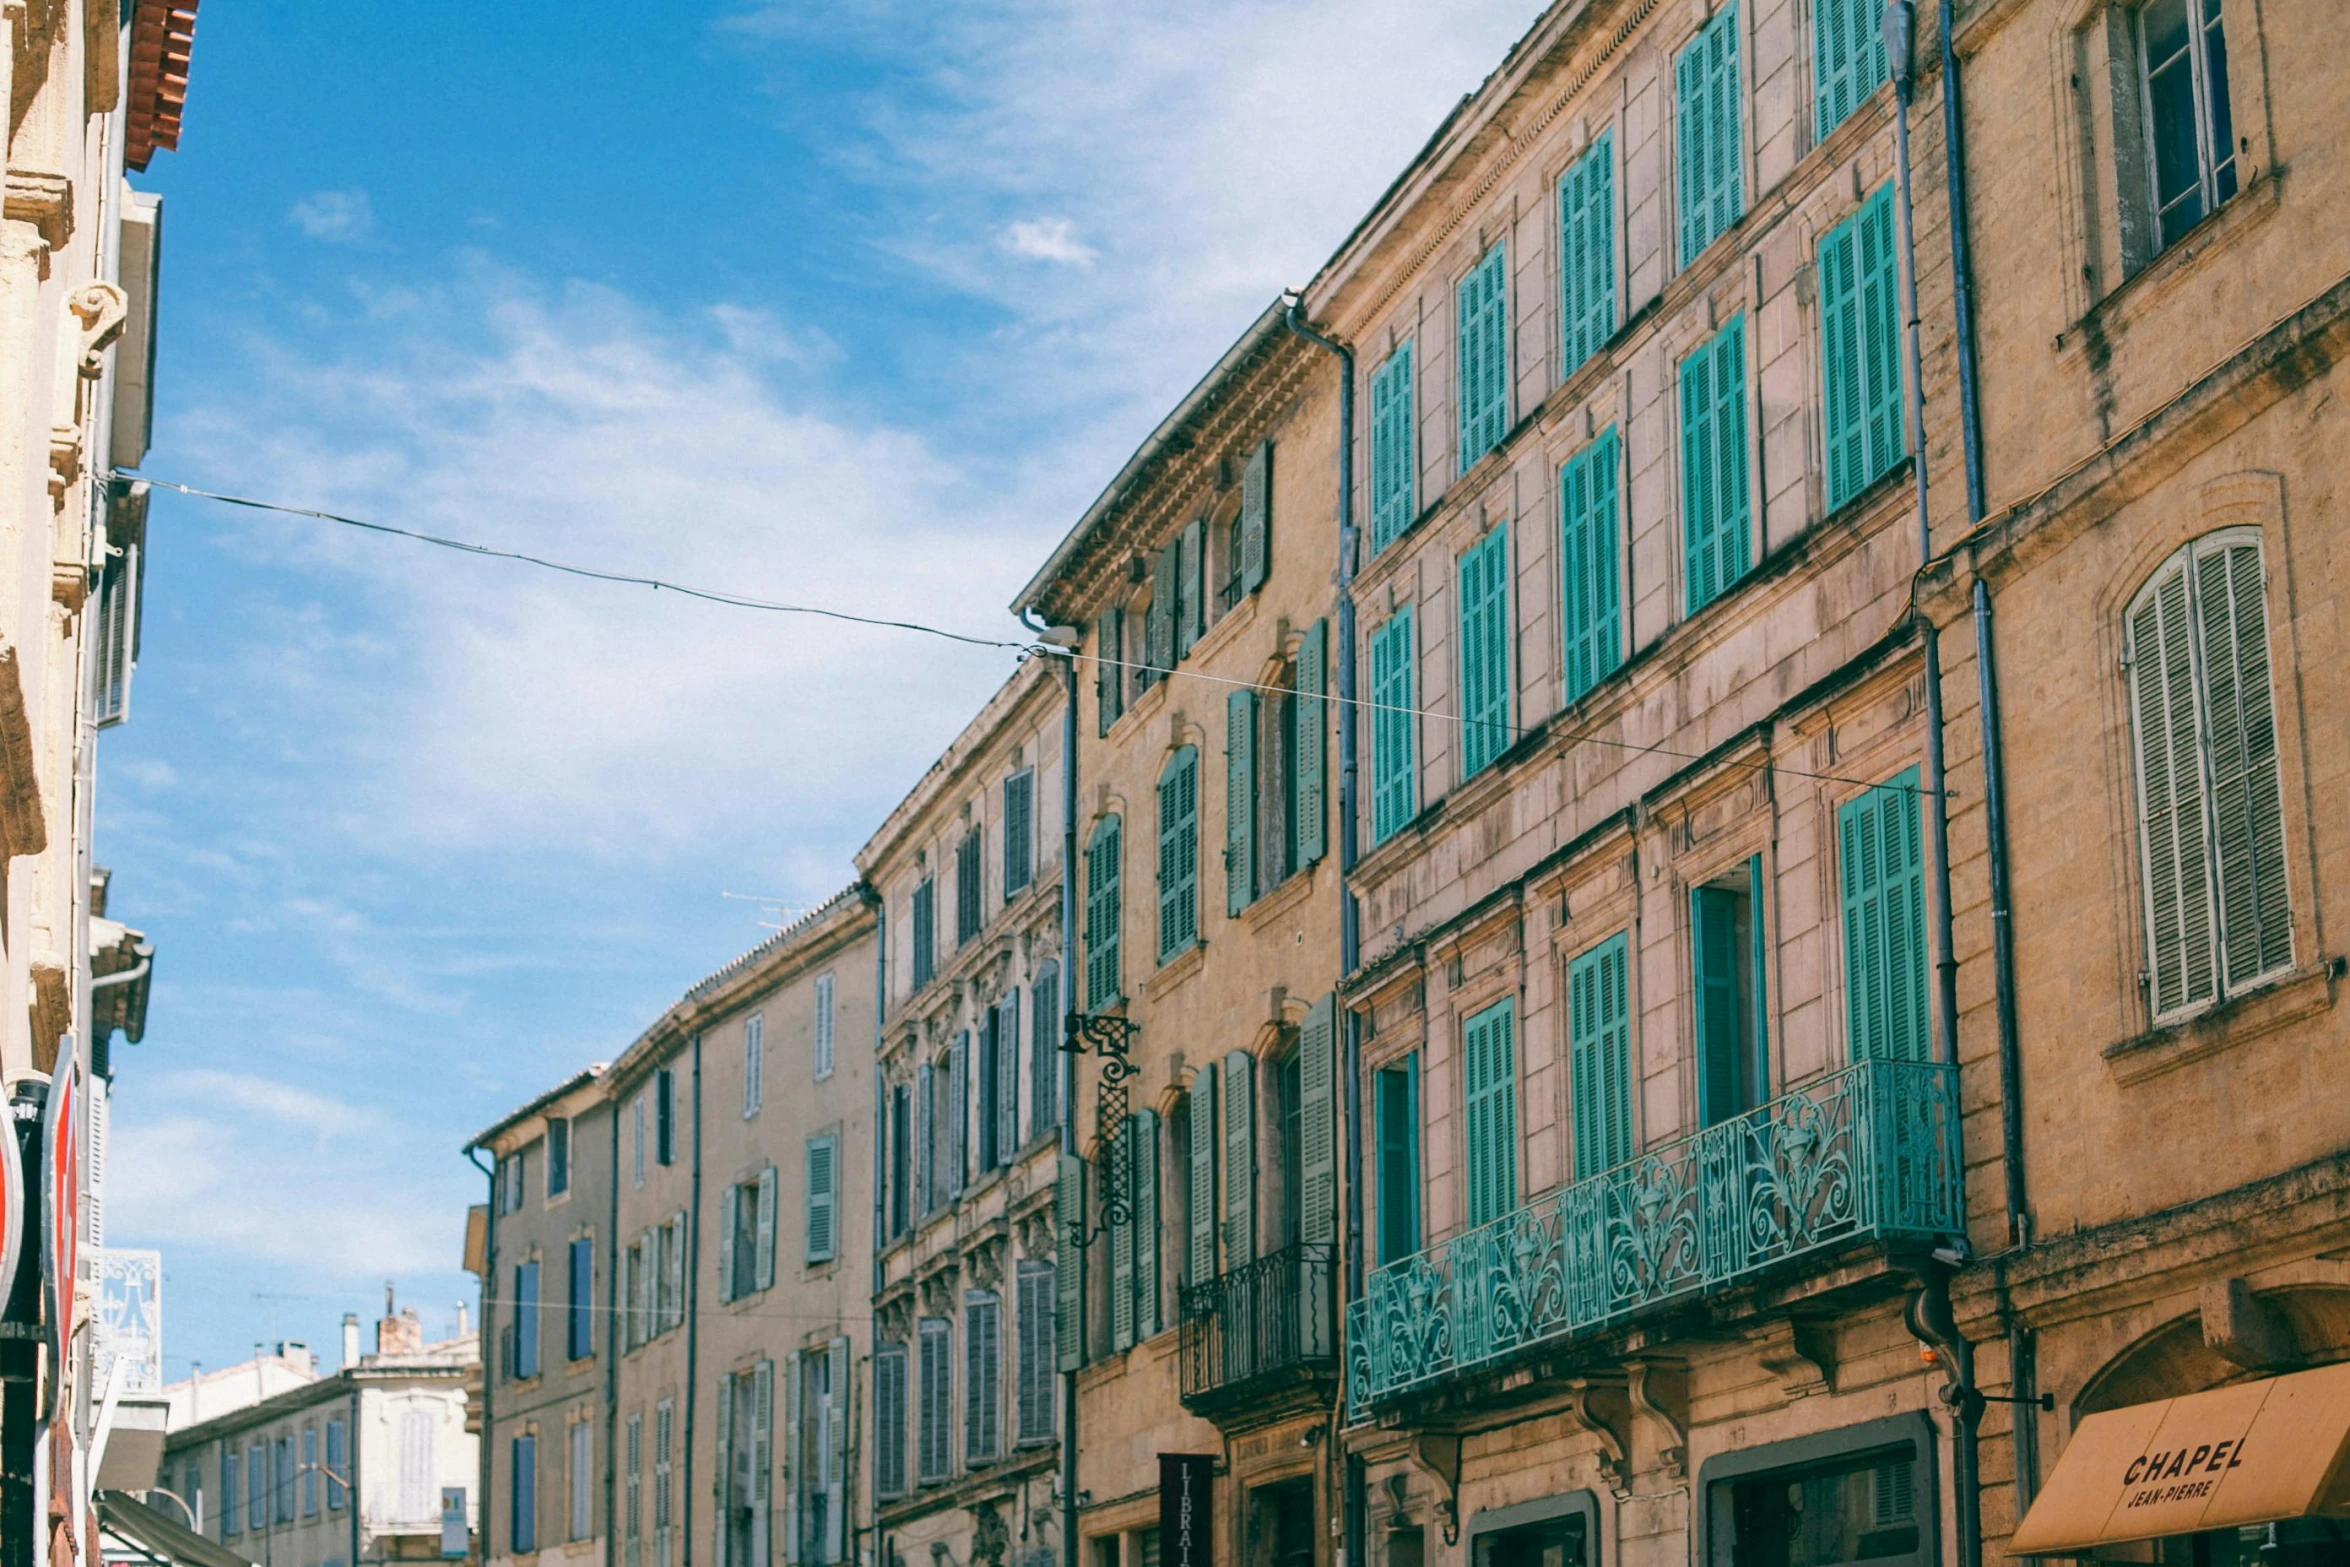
point(582, 1334)
point(1118, 1167)
point(1202, 1239)
point(1840, 360)
point(1882, 865)
point(970, 887)
point(1109, 675)
point(1256, 517)
point(1310, 821)
point(1069, 1272)
point(1044, 1053)
point(1102, 915)
point(723, 1470)
point(795, 1460)
point(762, 1458)
point(2247, 805)
point(1590, 580)
point(1240, 1160)
point(2180, 919)
point(1587, 253)
point(1144, 1188)
point(958, 1122)
point(1880, 335)
point(1240, 799)
point(1007, 1092)
point(1706, 127)
point(1490, 1095)
point(1393, 781)
point(1159, 620)
point(1713, 465)
point(925, 1092)
point(823, 1203)
point(1036, 1330)
point(1191, 588)
point(889, 1420)
point(1601, 1086)
point(1721, 1036)
point(1860, 331)
point(1396, 1109)
point(1019, 832)
point(1848, 60)
point(729, 1206)
point(1482, 313)
point(1317, 1124)
point(925, 921)
point(1392, 461)
point(1179, 853)
point(982, 1393)
point(1485, 651)
point(836, 1449)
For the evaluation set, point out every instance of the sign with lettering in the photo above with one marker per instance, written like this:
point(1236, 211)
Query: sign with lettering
point(454, 1544)
point(1187, 1533)
point(130, 1319)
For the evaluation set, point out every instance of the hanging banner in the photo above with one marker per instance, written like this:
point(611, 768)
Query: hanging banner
point(1186, 1515)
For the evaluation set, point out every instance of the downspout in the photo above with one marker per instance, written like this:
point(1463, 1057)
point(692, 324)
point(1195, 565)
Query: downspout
point(351, 1464)
point(693, 1315)
point(612, 1321)
point(1068, 1088)
point(881, 1126)
point(1353, 1495)
point(489, 1368)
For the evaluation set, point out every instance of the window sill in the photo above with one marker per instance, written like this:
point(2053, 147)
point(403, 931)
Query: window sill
point(1175, 971)
point(1227, 628)
point(2144, 290)
point(2283, 1001)
point(1269, 909)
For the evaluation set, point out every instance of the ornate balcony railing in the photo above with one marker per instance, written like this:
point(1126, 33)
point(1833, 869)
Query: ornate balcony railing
point(1274, 1315)
point(1868, 1152)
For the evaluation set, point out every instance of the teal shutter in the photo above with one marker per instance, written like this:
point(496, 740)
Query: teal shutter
point(1716, 954)
point(1848, 60)
point(1393, 474)
point(1118, 1166)
point(1240, 1160)
point(1393, 723)
point(1109, 675)
point(1179, 853)
point(1102, 915)
point(1309, 820)
point(1317, 1123)
point(1203, 1174)
point(1485, 650)
point(1481, 311)
point(2248, 829)
point(1256, 518)
point(1395, 1110)
point(1144, 1142)
point(1860, 343)
point(1587, 253)
point(1590, 581)
point(1884, 882)
point(1715, 520)
point(1707, 134)
point(1490, 1099)
point(1159, 620)
point(1600, 1031)
point(1240, 798)
point(1880, 332)
point(1191, 585)
point(1069, 1268)
point(729, 1215)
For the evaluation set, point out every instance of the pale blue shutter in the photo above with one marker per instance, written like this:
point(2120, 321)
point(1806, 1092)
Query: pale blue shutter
point(1394, 793)
point(1240, 1160)
point(729, 1205)
point(823, 1201)
point(1490, 1102)
point(1144, 1186)
point(1069, 1269)
point(1202, 1239)
point(1102, 915)
point(1715, 519)
point(1240, 799)
point(1191, 587)
point(1393, 475)
point(1256, 517)
point(1587, 253)
point(1317, 1124)
point(2248, 830)
point(2182, 959)
point(1118, 1167)
point(763, 1231)
point(1309, 819)
point(1884, 883)
point(1590, 579)
point(1159, 620)
point(1600, 1030)
point(1485, 650)
point(1848, 60)
point(1179, 853)
point(1481, 312)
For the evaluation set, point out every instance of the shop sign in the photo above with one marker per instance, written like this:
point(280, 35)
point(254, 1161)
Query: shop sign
point(1186, 1513)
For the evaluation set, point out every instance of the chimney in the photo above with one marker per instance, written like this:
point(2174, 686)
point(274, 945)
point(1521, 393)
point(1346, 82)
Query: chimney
point(460, 1319)
point(350, 1339)
point(399, 1334)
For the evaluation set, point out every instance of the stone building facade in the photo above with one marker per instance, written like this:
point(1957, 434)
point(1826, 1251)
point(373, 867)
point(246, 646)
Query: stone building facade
point(965, 1384)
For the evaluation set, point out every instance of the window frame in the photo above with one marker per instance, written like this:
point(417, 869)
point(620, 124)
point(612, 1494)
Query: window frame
point(1715, 1539)
point(1491, 270)
point(1178, 865)
point(2217, 177)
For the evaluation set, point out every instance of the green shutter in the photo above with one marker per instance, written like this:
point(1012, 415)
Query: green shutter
point(1882, 864)
point(1485, 651)
point(1069, 1268)
point(1600, 1030)
point(1256, 517)
point(1715, 520)
point(1179, 853)
point(1203, 1174)
point(1860, 343)
point(1191, 603)
point(1109, 674)
point(1396, 1110)
point(1880, 332)
point(1240, 798)
point(1102, 915)
point(1707, 135)
point(1393, 724)
point(1840, 357)
point(1481, 313)
point(1590, 581)
point(1240, 1160)
point(1309, 820)
point(1716, 955)
point(1144, 1143)
point(2247, 806)
point(1317, 1120)
point(1587, 253)
point(1848, 60)
point(1490, 1100)
point(1393, 476)
point(1159, 620)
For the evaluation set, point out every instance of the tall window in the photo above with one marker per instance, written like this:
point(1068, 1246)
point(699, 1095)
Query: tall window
point(746, 1236)
point(1481, 303)
point(2190, 134)
point(338, 1476)
point(1394, 775)
point(889, 1419)
point(1393, 464)
point(1599, 1029)
point(1848, 60)
point(1102, 914)
point(1716, 525)
point(824, 1019)
point(636, 1117)
point(310, 1471)
point(754, 1062)
point(633, 1495)
point(1726, 955)
point(983, 1358)
point(1044, 1051)
point(1590, 580)
point(665, 1116)
point(526, 1320)
point(934, 1400)
point(1036, 1330)
point(558, 1156)
point(901, 1166)
point(1485, 650)
point(1395, 1114)
point(664, 1499)
point(1132, 1160)
point(1179, 853)
point(2210, 807)
point(970, 879)
point(579, 1331)
point(1711, 162)
point(1110, 674)
point(1019, 832)
point(925, 935)
point(1275, 822)
point(1587, 253)
point(523, 1504)
point(823, 1198)
point(1884, 879)
point(1860, 348)
point(1489, 1084)
point(583, 1483)
point(228, 1493)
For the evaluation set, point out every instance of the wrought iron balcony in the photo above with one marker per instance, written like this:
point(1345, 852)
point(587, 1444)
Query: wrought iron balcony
point(1870, 1152)
point(1267, 1323)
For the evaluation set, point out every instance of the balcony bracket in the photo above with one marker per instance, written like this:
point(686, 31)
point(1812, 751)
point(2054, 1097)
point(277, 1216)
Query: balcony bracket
point(1438, 1453)
point(1614, 1460)
point(1798, 1355)
point(1650, 1387)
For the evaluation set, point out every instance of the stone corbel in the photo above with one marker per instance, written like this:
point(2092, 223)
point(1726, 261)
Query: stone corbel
point(1794, 1356)
point(1438, 1455)
point(1614, 1457)
point(101, 308)
point(43, 200)
point(1655, 1390)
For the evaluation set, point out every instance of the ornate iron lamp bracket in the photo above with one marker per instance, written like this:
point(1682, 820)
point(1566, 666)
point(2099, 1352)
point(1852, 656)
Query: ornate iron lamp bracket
point(1109, 1038)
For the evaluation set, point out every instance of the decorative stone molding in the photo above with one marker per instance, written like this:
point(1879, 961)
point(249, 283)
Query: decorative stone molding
point(1438, 1455)
point(1614, 1457)
point(1657, 1391)
point(43, 200)
point(23, 828)
point(52, 1010)
point(101, 308)
point(1795, 1356)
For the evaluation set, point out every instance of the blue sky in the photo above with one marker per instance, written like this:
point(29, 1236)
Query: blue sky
point(855, 302)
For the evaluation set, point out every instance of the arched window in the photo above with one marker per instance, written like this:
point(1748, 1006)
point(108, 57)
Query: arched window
point(1179, 853)
point(2210, 809)
point(1101, 915)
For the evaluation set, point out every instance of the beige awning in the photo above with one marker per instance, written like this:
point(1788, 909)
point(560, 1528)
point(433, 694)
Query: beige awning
point(2253, 1453)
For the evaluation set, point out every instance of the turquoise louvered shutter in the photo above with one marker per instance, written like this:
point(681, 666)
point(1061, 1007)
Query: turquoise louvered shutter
point(1716, 525)
point(1600, 1032)
point(1481, 302)
point(1240, 1160)
point(2248, 837)
point(1240, 798)
point(1393, 725)
point(1707, 134)
point(1860, 349)
point(1109, 674)
point(1590, 580)
point(1069, 1265)
point(1716, 956)
point(1179, 853)
point(1102, 914)
point(1143, 1143)
point(1395, 1111)
point(1317, 1124)
point(1485, 650)
point(1256, 517)
point(1848, 60)
point(1309, 817)
point(1393, 474)
point(1587, 253)
point(1490, 1102)
point(1202, 1239)
point(1158, 621)
point(1882, 865)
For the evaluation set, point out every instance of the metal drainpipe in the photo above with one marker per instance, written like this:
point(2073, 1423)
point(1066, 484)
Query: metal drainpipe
point(351, 1465)
point(1354, 1500)
point(1068, 1089)
point(489, 1363)
point(692, 1265)
point(1900, 23)
point(612, 1320)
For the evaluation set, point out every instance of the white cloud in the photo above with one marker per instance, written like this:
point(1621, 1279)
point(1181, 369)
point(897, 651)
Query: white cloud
point(1049, 239)
point(334, 217)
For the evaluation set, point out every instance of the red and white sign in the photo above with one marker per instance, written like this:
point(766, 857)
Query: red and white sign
point(61, 1198)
